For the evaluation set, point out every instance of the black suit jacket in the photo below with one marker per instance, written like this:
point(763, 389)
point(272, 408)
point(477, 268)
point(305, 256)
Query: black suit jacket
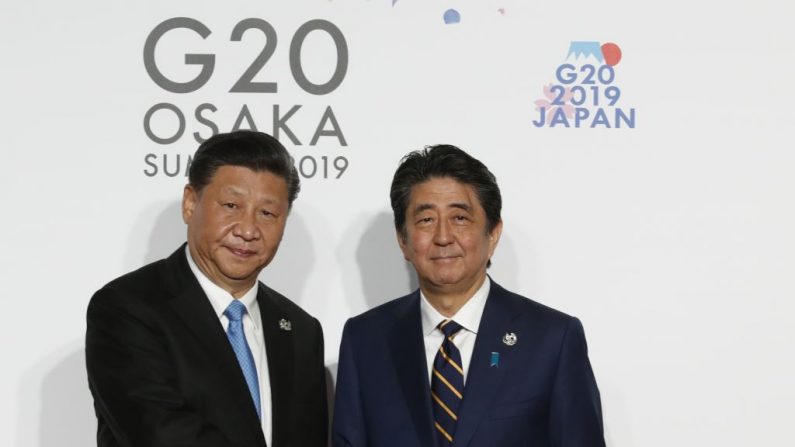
point(162, 371)
point(541, 392)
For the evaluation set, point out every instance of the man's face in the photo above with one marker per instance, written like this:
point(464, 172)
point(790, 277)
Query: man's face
point(235, 224)
point(446, 238)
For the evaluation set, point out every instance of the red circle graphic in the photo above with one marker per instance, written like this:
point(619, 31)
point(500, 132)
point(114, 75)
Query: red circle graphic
point(611, 53)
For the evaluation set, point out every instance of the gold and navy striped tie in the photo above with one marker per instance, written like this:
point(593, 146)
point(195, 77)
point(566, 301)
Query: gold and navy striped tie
point(447, 384)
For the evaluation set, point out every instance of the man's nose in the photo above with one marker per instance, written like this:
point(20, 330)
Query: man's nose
point(246, 227)
point(442, 234)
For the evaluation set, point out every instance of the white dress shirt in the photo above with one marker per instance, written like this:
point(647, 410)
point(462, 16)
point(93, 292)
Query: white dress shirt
point(468, 317)
point(252, 326)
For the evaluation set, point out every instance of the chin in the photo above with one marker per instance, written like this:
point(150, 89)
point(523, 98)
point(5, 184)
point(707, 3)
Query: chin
point(446, 281)
point(449, 275)
point(238, 273)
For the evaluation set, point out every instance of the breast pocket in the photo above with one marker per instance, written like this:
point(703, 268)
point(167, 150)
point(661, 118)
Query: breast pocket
point(526, 408)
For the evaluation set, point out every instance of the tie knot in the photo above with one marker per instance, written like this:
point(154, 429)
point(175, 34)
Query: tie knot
point(449, 328)
point(235, 310)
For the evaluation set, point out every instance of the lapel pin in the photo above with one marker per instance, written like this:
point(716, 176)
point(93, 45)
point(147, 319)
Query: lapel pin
point(509, 338)
point(285, 325)
point(495, 359)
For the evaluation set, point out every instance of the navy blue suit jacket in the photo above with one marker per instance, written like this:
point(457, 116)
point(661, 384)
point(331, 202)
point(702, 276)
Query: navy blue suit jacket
point(542, 392)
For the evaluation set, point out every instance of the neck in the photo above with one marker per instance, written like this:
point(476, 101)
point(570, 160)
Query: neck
point(236, 290)
point(448, 301)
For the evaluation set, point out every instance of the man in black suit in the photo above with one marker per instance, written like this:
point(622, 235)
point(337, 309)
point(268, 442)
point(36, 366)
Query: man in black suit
point(192, 350)
point(461, 361)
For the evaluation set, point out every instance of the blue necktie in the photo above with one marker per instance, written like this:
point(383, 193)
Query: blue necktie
point(447, 384)
point(237, 337)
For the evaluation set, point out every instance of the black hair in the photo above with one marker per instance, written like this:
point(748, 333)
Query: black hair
point(254, 150)
point(442, 161)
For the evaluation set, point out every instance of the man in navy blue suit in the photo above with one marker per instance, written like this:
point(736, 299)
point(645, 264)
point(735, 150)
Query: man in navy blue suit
point(461, 361)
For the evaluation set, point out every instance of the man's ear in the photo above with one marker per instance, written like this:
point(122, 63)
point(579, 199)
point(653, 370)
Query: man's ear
point(189, 199)
point(494, 237)
point(402, 243)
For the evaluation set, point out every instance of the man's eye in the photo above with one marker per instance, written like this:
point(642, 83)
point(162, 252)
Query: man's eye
point(230, 205)
point(266, 213)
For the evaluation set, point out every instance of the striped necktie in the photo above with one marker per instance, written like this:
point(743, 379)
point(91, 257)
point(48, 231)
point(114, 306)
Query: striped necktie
point(447, 384)
point(237, 337)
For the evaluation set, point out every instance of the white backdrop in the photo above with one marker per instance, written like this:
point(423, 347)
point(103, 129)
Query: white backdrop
point(671, 239)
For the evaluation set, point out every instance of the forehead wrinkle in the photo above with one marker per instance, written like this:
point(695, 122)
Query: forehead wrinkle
point(423, 207)
point(461, 205)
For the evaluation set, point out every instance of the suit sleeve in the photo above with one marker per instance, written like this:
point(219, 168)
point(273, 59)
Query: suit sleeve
point(133, 380)
point(322, 409)
point(348, 425)
point(576, 410)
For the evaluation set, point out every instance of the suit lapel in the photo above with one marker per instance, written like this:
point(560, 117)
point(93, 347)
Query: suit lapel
point(408, 351)
point(193, 308)
point(279, 346)
point(483, 380)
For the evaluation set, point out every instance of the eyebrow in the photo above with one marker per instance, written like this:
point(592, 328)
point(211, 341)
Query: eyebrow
point(238, 193)
point(427, 206)
point(234, 191)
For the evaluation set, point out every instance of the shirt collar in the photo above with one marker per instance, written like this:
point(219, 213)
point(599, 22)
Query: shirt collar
point(468, 316)
point(220, 298)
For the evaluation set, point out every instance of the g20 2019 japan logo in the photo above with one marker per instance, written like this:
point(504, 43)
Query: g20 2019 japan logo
point(585, 92)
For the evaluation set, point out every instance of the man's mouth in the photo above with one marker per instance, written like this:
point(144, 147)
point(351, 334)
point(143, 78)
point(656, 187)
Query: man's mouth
point(242, 252)
point(445, 258)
